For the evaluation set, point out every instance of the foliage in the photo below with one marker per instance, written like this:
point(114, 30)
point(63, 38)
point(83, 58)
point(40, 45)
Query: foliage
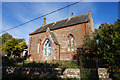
point(116, 76)
point(105, 44)
point(90, 46)
point(13, 47)
point(20, 47)
point(21, 40)
point(5, 37)
point(109, 41)
point(9, 46)
point(109, 45)
point(0, 48)
point(87, 74)
point(8, 61)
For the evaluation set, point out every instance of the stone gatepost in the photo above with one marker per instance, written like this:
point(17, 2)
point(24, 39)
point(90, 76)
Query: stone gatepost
point(71, 73)
point(103, 74)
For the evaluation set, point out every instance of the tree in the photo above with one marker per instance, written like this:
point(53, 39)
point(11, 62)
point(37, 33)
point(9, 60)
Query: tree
point(109, 45)
point(90, 46)
point(9, 46)
point(13, 47)
point(5, 37)
point(109, 42)
point(20, 40)
point(105, 44)
point(20, 47)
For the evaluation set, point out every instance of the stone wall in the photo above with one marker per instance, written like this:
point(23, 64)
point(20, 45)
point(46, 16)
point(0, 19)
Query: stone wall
point(52, 72)
point(43, 72)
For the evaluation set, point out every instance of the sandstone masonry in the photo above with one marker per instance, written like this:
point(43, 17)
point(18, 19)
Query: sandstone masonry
point(57, 34)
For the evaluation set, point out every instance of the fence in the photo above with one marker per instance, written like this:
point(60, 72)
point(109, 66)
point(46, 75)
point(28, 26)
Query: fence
point(89, 68)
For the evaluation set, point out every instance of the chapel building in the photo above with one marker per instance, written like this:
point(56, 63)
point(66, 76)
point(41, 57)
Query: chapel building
point(60, 40)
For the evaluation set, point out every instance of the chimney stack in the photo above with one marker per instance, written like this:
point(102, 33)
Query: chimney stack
point(44, 21)
point(72, 15)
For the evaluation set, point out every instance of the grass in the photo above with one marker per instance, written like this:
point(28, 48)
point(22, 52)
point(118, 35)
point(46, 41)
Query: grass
point(57, 64)
point(18, 62)
point(67, 64)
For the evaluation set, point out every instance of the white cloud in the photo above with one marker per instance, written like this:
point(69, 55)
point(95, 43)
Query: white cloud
point(21, 31)
point(44, 8)
point(97, 25)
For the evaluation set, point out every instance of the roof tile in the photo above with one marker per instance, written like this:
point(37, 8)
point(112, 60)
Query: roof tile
point(63, 23)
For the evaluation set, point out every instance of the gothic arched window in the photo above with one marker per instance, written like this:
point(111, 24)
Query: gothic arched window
point(47, 48)
point(38, 45)
point(70, 43)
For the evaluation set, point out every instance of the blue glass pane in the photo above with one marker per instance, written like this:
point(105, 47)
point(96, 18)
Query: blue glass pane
point(45, 44)
point(49, 45)
point(49, 51)
point(48, 41)
point(47, 48)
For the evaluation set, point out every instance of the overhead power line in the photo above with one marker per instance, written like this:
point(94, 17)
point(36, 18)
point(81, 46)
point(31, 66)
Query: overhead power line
point(41, 16)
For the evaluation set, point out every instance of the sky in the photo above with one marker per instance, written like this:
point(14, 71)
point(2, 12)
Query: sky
point(15, 13)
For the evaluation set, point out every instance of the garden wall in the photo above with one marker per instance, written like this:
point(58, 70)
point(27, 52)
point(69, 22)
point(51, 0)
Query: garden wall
point(50, 72)
point(42, 72)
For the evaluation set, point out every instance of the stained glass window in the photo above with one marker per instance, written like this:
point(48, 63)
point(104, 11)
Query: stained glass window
point(70, 43)
point(47, 48)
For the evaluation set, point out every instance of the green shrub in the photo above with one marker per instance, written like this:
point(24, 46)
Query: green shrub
point(87, 74)
point(115, 75)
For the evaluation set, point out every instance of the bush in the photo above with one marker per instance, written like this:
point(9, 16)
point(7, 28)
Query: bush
point(8, 61)
point(115, 75)
point(88, 74)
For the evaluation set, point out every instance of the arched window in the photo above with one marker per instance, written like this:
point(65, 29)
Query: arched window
point(38, 46)
point(70, 43)
point(47, 48)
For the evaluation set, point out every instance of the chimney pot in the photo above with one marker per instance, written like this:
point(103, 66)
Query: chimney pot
point(72, 15)
point(44, 21)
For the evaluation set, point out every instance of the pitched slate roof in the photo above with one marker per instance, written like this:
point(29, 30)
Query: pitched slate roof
point(63, 23)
